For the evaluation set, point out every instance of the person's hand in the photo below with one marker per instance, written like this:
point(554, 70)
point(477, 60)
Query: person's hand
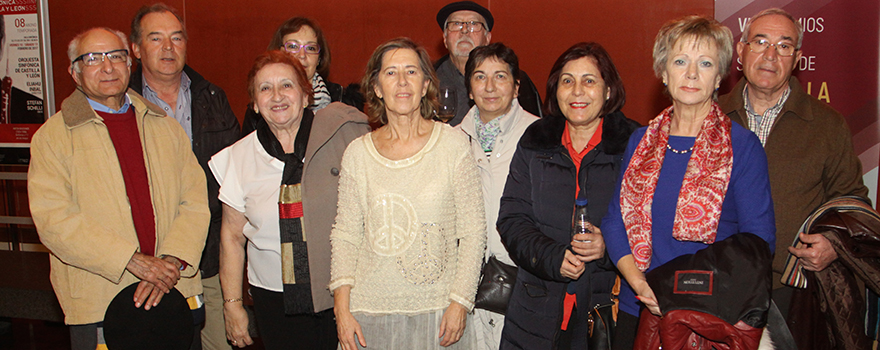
point(453, 324)
point(818, 253)
point(346, 330)
point(646, 295)
point(161, 273)
point(589, 246)
point(148, 295)
point(572, 266)
point(174, 260)
point(237, 324)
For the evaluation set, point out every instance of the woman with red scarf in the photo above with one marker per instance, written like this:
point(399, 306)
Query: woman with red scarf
point(692, 177)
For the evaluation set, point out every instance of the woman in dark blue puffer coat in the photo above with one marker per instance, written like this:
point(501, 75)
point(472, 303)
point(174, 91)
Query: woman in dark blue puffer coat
point(575, 151)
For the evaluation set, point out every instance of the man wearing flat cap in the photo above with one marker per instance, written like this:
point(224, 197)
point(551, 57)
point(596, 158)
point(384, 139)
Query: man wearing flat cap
point(466, 25)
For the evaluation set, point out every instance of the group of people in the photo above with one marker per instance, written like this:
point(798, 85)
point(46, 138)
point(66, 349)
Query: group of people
point(352, 237)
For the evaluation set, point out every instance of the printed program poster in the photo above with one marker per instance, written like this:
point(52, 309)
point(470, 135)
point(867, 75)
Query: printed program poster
point(22, 92)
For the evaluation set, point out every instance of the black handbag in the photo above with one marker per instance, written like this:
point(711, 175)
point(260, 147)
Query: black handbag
point(602, 320)
point(496, 286)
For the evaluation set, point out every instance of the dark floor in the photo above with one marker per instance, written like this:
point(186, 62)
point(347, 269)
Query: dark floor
point(22, 334)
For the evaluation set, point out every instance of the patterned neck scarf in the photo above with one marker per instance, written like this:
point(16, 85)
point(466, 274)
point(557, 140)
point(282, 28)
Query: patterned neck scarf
point(294, 251)
point(488, 132)
point(702, 190)
point(321, 94)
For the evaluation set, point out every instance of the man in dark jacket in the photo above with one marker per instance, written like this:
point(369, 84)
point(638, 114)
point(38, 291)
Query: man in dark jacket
point(808, 144)
point(466, 25)
point(158, 40)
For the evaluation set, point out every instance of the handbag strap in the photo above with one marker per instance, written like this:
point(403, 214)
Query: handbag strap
point(615, 293)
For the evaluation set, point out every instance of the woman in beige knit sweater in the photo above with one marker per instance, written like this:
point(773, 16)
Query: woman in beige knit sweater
point(410, 230)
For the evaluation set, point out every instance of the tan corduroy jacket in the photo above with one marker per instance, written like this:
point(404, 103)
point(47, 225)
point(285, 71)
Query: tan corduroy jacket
point(80, 207)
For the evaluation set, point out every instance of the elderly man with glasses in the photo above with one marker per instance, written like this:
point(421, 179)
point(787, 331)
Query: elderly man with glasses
point(809, 153)
point(466, 25)
point(115, 192)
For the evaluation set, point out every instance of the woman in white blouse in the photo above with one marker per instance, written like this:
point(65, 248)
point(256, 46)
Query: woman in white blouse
point(278, 188)
point(410, 229)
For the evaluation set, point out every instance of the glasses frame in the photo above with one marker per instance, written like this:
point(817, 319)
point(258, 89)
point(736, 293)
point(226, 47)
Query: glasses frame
point(763, 48)
point(472, 26)
point(300, 47)
point(103, 57)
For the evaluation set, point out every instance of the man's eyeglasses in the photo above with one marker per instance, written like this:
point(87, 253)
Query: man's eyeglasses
point(782, 48)
point(96, 58)
point(294, 47)
point(472, 26)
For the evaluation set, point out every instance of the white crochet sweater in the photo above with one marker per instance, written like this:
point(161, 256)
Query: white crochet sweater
point(409, 234)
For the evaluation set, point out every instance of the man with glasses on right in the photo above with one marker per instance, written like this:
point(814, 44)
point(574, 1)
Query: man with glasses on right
point(809, 153)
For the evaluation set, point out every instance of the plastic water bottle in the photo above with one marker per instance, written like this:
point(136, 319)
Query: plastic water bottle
point(580, 223)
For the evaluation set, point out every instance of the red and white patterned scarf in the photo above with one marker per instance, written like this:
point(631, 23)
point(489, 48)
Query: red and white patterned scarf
point(702, 190)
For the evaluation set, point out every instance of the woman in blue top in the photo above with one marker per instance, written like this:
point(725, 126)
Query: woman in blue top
point(692, 176)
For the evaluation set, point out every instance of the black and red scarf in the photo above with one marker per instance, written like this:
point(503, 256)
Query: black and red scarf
point(294, 250)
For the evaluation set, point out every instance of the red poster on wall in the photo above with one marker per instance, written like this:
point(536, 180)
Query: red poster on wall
point(839, 64)
point(22, 90)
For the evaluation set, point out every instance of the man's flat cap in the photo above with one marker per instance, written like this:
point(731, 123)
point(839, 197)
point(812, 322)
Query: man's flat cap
point(168, 326)
point(464, 6)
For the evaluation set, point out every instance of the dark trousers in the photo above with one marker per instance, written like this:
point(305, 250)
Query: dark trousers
point(575, 335)
point(625, 333)
point(86, 337)
point(280, 331)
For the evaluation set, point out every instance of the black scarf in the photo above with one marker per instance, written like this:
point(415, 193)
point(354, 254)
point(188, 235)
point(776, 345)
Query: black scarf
point(294, 251)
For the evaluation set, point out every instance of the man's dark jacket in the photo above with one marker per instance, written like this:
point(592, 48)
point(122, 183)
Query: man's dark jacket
point(214, 127)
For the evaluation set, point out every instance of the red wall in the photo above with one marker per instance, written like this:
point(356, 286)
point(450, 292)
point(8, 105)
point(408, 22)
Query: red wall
point(226, 35)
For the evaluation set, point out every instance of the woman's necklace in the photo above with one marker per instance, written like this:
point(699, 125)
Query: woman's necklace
point(679, 151)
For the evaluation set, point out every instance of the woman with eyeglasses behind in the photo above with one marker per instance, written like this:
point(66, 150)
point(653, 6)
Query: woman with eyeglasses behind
point(304, 40)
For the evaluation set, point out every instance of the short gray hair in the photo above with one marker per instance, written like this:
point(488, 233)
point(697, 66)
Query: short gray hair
point(73, 47)
point(774, 11)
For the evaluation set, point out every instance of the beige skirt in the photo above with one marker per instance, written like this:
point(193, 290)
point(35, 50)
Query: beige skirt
point(399, 332)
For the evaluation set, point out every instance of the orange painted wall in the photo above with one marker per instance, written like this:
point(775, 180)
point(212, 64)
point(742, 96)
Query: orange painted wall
point(226, 35)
